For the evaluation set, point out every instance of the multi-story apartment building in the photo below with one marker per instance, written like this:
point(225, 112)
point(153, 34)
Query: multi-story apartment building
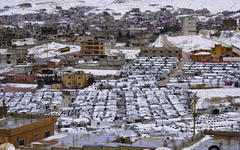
point(74, 80)
point(189, 25)
point(95, 47)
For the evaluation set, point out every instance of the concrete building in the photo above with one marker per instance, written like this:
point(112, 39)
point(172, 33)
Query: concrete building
point(74, 80)
point(229, 24)
point(117, 60)
point(8, 58)
point(23, 69)
point(95, 47)
point(161, 52)
point(22, 78)
point(216, 53)
point(21, 130)
point(189, 25)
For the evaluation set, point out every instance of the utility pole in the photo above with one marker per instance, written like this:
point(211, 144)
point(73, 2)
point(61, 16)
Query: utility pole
point(194, 113)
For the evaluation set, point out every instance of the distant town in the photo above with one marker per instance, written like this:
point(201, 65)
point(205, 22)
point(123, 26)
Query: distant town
point(79, 80)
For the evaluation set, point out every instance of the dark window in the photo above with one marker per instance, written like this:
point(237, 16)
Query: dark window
point(169, 51)
point(47, 134)
point(154, 51)
point(21, 142)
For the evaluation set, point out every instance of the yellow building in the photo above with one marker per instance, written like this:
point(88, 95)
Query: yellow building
point(222, 51)
point(74, 80)
point(95, 47)
point(21, 130)
point(216, 53)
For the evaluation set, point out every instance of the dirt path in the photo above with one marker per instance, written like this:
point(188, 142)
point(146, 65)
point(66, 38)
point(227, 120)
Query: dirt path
point(174, 73)
point(166, 43)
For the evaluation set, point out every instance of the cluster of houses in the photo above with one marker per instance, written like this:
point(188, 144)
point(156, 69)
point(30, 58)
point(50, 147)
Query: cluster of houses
point(131, 105)
point(207, 75)
point(218, 53)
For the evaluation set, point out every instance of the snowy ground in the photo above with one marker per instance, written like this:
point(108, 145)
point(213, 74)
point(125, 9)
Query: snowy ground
point(129, 54)
point(157, 43)
point(50, 5)
point(207, 137)
point(6, 70)
point(19, 85)
point(192, 42)
point(98, 72)
point(50, 50)
point(230, 38)
point(206, 94)
point(22, 42)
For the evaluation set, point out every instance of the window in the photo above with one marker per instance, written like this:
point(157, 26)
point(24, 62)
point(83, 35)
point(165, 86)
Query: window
point(169, 51)
point(47, 134)
point(21, 142)
point(154, 51)
point(8, 62)
point(229, 49)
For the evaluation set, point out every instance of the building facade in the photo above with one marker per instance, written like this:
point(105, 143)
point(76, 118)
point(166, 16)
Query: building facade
point(74, 80)
point(217, 53)
point(95, 48)
point(113, 60)
point(161, 52)
point(189, 25)
point(21, 130)
point(229, 24)
point(22, 78)
point(8, 58)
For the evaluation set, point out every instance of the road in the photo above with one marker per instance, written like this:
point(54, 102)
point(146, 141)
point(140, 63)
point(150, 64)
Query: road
point(174, 73)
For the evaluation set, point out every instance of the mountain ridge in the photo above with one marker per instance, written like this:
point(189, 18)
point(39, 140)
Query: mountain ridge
point(119, 6)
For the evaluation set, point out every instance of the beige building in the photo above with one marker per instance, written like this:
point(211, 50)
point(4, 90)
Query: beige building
point(95, 47)
point(161, 52)
point(74, 80)
point(21, 130)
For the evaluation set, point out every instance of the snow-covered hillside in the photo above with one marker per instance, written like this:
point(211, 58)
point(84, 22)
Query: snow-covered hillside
point(230, 38)
point(51, 50)
point(119, 5)
point(188, 43)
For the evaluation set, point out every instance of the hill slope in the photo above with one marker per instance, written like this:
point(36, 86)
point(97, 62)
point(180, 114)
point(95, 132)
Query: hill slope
point(120, 5)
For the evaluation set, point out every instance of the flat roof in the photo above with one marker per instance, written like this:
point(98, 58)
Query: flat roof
point(12, 122)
